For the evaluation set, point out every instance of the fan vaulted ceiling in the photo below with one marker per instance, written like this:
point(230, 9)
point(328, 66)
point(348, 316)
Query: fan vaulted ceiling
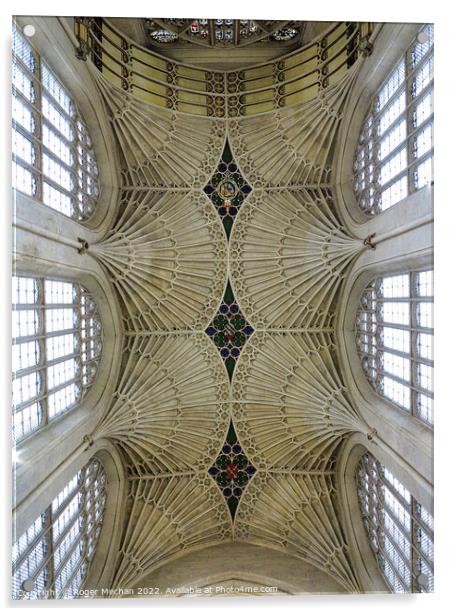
point(230, 406)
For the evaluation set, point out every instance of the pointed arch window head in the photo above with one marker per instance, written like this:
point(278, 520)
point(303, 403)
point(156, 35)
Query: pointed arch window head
point(53, 157)
point(51, 558)
point(394, 335)
point(57, 344)
point(399, 529)
point(394, 156)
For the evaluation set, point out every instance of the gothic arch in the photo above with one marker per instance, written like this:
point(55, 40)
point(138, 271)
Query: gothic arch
point(56, 47)
point(405, 434)
point(390, 43)
point(361, 554)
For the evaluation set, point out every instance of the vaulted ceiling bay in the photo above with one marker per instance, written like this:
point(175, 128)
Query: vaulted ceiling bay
point(227, 256)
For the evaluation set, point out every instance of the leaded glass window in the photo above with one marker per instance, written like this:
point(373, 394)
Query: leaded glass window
point(51, 558)
point(399, 528)
point(394, 334)
point(394, 157)
point(57, 343)
point(53, 158)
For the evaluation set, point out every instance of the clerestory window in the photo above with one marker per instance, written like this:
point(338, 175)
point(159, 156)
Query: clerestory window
point(51, 558)
point(53, 158)
point(394, 156)
point(394, 336)
point(400, 529)
point(57, 344)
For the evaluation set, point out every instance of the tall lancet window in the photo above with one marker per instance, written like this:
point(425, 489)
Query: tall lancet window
point(394, 334)
point(57, 343)
point(53, 158)
point(51, 558)
point(394, 156)
point(400, 530)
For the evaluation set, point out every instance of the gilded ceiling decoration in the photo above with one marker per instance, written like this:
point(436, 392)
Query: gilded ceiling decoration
point(228, 255)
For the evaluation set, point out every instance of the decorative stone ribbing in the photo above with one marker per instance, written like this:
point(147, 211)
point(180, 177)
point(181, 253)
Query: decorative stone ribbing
point(296, 514)
point(291, 146)
point(290, 406)
point(167, 517)
point(160, 147)
point(289, 255)
point(170, 411)
point(166, 257)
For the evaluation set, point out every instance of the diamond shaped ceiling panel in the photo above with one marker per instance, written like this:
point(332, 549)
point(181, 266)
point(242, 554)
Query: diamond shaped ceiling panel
point(229, 330)
point(232, 470)
point(227, 189)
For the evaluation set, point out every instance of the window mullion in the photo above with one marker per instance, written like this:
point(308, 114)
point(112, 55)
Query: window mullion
point(414, 568)
point(393, 541)
point(410, 124)
point(413, 341)
point(38, 128)
point(51, 564)
point(42, 351)
point(77, 203)
point(77, 170)
point(379, 517)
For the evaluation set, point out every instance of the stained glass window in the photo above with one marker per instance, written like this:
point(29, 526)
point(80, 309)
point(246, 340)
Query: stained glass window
point(400, 530)
point(51, 558)
point(232, 470)
point(223, 32)
point(394, 157)
point(57, 342)
point(53, 158)
point(394, 334)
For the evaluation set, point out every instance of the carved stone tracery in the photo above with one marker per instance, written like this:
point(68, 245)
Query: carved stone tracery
point(169, 259)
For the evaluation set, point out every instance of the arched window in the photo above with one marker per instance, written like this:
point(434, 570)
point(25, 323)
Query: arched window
point(53, 158)
point(51, 558)
point(394, 157)
point(400, 529)
point(394, 335)
point(57, 342)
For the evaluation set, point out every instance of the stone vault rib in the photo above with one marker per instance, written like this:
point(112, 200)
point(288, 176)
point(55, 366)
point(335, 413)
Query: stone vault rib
point(166, 257)
point(291, 146)
point(289, 254)
point(161, 148)
point(168, 517)
point(296, 514)
point(290, 406)
point(170, 410)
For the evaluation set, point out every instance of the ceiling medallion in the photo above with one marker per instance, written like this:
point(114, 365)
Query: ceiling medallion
point(229, 330)
point(227, 189)
point(232, 470)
